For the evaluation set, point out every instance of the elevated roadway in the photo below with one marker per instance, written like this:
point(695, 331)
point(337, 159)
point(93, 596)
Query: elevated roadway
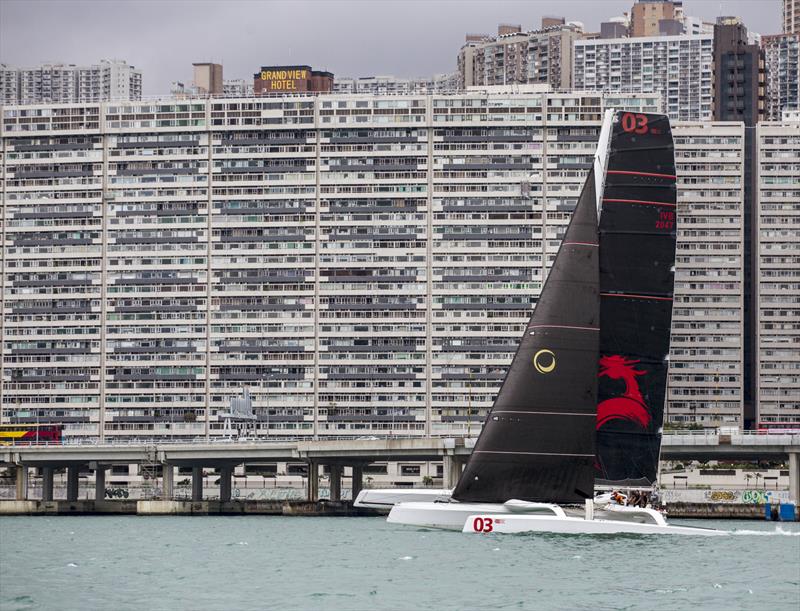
point(355, 453)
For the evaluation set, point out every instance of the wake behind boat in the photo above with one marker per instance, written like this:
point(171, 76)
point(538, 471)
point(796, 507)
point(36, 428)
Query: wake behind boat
point(559, 424)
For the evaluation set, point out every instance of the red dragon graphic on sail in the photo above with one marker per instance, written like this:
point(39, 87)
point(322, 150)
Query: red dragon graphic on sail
point(630, 406)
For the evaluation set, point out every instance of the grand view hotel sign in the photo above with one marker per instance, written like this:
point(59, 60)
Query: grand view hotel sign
point(284, 80)
point(289, 79)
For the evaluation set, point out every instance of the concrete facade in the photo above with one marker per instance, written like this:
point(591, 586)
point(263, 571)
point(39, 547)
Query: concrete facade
point(364, 265)
point(778, 273)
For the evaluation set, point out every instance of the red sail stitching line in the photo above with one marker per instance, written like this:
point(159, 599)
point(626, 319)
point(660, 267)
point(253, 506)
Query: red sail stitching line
point(637, 201)
point(636, 296)
point(630, 406)
point(564, 327)
point(632, 173)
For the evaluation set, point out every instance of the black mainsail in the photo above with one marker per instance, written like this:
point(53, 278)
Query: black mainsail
point(637, 258)
point(538, 442)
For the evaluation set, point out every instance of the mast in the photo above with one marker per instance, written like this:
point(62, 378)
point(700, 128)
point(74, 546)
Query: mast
point(538, 440)
point(637, 259)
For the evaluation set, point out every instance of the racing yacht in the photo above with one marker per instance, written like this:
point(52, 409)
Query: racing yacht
point(583, 399)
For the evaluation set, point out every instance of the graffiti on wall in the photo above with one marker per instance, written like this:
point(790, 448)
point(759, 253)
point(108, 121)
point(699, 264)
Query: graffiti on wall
point(742, 497)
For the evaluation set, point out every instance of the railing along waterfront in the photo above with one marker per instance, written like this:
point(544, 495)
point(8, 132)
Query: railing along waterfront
point(670, 437)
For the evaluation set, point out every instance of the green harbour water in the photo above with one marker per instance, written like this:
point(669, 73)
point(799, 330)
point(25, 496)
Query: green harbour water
point(260, 562)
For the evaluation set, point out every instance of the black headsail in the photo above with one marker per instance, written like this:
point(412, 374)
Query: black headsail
point(538, 441)
point(637, 258)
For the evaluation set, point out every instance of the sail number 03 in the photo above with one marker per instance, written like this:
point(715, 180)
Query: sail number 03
point(635, 123)
point(483, 525)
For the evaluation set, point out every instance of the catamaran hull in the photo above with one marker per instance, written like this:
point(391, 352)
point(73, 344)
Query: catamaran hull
point(446, 516)
point(575, 526)
point(491, 517)
point(386, 498)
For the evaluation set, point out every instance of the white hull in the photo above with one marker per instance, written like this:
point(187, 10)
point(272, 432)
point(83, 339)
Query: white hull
point(386, 498)
point(519, 517)
point(448, 516)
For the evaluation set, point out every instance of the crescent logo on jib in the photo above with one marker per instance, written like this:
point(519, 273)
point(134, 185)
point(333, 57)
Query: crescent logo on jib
point(540, 361)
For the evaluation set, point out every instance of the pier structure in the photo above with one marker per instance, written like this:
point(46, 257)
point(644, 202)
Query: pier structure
point(225, 457)
point(337, 455)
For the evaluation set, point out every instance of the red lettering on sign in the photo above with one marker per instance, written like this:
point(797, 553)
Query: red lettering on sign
point(482, 525)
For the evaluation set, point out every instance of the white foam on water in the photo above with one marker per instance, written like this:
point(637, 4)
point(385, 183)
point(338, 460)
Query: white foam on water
point(406, 558)
point(576, 557)
point(496, 549)
point(72, 564)
point(717, 586)
point(242, 543)
point(778, 532)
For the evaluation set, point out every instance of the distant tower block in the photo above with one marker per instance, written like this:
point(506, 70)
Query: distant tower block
point(208, 78)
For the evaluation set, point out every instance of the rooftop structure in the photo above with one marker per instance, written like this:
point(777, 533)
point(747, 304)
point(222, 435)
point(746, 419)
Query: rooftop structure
point(208, 78)
point(291, 79)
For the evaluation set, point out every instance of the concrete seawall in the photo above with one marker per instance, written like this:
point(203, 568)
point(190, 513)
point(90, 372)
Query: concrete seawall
point(300, 508)
point(716, 511)
point(182, 508)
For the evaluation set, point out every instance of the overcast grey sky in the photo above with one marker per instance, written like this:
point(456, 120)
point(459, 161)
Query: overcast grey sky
point(347, 37)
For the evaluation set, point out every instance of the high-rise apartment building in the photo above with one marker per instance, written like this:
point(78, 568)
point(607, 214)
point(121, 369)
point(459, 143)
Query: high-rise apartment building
point(680, 68)
point(782, 74)
point(739, 74)
point(393, 85)
point(62, 83)
point(777, 378)
point(208, 78)
point(647, 16)
point(237, 88)
point(706, 357)
point(739, 96)
point(791, 16)
point(361, 264)
point(515, 57)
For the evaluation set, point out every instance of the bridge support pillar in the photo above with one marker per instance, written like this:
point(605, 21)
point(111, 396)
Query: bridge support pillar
point(225, 477)
point(167, 481)
point(336, 482)
point(794, 477)
point(100, 483)
point(197, 483)
point(72, 482)
point(47, 483)
point(451, 471)
point(358, 480)
point(313, 481)
point(22, 483)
